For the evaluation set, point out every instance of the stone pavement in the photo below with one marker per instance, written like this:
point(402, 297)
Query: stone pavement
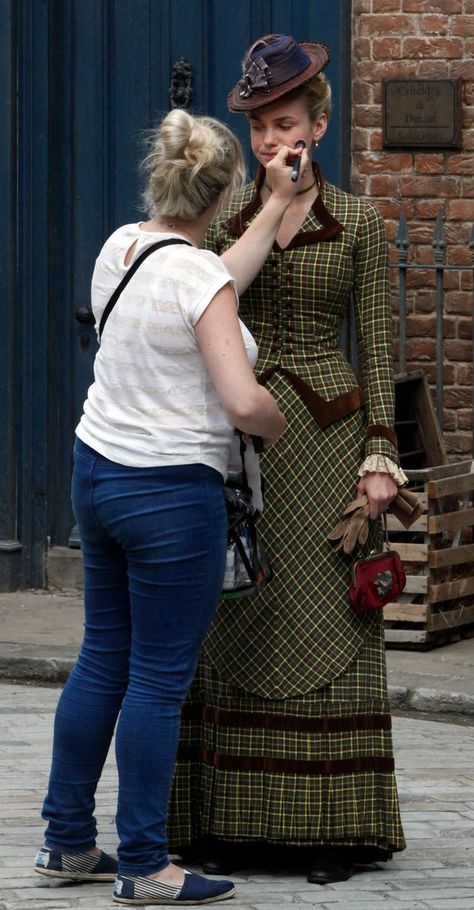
point(435, 766)
point(40, 634)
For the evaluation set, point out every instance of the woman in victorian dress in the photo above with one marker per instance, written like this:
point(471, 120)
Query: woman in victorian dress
point(286, 737)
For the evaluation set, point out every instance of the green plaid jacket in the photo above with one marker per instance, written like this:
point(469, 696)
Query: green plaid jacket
point(297, 303)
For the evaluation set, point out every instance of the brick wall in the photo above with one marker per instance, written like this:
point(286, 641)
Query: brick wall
point(422, 39)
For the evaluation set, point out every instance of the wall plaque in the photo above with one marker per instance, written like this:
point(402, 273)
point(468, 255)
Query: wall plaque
point(422, 113)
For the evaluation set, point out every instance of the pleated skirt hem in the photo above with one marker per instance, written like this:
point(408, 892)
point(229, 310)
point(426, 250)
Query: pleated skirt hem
point(302, 771)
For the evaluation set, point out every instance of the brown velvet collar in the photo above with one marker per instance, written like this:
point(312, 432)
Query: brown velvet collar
point(238, 223)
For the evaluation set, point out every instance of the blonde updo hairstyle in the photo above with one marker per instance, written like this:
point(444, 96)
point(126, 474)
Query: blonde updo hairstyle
point(318, 96)
point(192, 160)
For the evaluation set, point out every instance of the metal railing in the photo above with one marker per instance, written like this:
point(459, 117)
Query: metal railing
point(439, 266)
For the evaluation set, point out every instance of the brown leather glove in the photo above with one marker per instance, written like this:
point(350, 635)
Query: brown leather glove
point(354, 526)
point(406, 507)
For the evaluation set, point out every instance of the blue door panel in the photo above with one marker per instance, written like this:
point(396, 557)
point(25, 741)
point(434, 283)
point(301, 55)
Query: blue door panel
point(134, 40)
point(32, 318)
point(91, 171)
point(9, 352)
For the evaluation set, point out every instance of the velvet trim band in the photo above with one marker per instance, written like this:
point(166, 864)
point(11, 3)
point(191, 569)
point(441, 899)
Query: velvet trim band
point(289, 722)
point(330, 227)
point(323, 411)
point(310, 767)
point(377, 430)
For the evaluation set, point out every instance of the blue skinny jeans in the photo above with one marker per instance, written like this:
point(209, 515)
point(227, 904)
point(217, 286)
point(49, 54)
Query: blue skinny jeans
point(153, 542)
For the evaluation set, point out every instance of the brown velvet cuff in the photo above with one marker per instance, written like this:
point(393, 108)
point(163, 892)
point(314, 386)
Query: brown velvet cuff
point(377, 430)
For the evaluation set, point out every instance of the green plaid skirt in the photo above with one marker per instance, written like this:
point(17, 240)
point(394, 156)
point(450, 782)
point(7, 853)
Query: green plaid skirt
point(307, 770)
point(286, 734)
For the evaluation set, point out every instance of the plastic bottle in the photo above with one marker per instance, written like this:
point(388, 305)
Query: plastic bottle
point(229, 573)
point(242, 574)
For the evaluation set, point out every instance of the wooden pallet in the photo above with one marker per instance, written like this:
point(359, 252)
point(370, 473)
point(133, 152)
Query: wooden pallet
point(437, 604)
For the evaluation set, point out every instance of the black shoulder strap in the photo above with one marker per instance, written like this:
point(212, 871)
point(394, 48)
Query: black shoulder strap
point(133, 268)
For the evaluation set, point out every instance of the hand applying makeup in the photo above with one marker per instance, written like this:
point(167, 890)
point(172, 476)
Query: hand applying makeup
point(244, 259)
point(300, 144)
point(279, 171)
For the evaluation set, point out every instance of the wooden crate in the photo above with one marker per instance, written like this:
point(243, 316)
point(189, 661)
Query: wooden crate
point(437, 605)
point(420, 440)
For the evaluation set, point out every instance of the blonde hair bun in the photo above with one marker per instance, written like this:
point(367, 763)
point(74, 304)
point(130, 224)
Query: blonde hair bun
point(192, 160)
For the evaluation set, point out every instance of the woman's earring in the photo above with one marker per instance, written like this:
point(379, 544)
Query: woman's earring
point(316, 144)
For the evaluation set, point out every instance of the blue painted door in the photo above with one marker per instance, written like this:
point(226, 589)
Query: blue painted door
point(92, 76)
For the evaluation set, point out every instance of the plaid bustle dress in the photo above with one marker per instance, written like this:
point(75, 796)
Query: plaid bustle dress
point(286, 734)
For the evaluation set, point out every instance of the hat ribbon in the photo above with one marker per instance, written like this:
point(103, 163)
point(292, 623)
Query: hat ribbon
point(256, 76)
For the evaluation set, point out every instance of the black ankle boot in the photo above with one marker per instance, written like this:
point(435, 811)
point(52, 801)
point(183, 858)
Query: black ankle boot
point(365, 856)
point(225, 857)
point(330, 864)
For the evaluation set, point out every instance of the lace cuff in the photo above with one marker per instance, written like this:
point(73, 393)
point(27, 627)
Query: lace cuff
point(380, 464)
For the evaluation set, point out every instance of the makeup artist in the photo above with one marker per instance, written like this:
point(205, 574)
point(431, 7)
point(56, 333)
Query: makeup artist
point(286, 738)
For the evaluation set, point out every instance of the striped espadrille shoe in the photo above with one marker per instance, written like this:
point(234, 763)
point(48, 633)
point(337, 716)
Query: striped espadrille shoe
point(195, 890)
point(77, 867)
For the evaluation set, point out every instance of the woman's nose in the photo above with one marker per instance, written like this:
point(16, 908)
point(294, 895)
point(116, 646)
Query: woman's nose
point(269, 138)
